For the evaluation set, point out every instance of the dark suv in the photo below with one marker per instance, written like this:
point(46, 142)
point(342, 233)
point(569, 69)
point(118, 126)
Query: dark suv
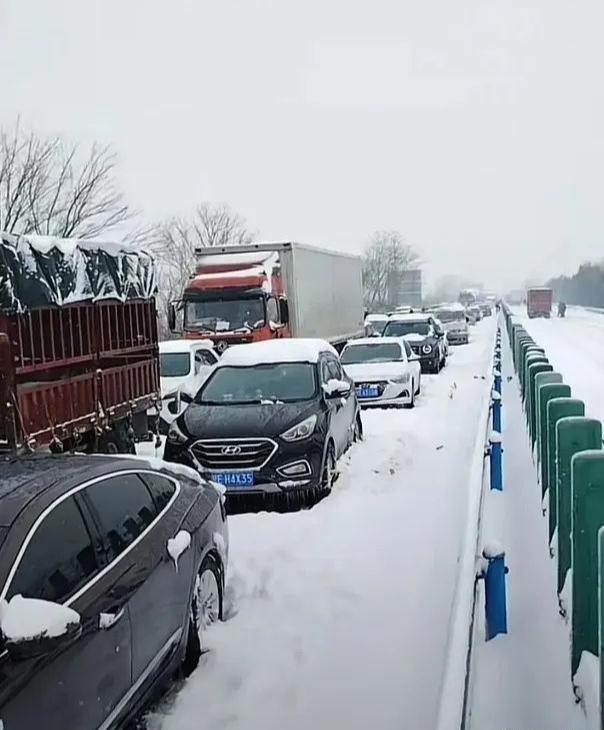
point(425, 335)
point(271, 419)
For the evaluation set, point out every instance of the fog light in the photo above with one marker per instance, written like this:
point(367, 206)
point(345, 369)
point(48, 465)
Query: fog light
point(295, 469)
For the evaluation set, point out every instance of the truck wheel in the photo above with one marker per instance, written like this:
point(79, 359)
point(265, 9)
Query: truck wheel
point(116, 441)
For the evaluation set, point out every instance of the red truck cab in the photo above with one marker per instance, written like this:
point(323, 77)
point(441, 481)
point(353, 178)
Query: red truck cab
point(234, 297)
point(539, 302)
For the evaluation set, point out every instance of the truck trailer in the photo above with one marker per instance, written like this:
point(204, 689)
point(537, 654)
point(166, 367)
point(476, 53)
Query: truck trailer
point(261, 291)
point(539, 302)
point(78, 345)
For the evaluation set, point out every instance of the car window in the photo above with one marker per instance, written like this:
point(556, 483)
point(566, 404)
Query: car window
point(272, 311)
point(124, 507)
point(205, 357)
point(161, 488)
point(334, 369)
point(59, 559)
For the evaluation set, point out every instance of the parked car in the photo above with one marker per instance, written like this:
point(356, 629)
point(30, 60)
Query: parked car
point(425, 335)
point(272, 418)
point(474, 313)
point(454, 321)
point(385, 371)
point(110, 568)
point(485, 308)
point(374, 324)
point(183, 366)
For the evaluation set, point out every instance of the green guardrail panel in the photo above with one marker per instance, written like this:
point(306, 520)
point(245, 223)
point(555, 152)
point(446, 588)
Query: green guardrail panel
point(587, 486)
point(557, 408)
point(519, 333)
point(573, 434)
point(543, 378)
point(533, 370)
point(601, 616)
point(528, 354)
point(546, 393)
point(522, 348)
point(532, 358)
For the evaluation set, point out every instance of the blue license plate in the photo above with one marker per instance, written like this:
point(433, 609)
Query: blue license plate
point(367, 392)
point(236, 479)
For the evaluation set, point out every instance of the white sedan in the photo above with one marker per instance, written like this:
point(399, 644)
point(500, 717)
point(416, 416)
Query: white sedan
point(183, 367)
point(384, 370)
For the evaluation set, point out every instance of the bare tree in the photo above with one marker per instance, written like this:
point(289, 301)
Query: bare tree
point(51, 187)
point(176, 241)
point(385, 259)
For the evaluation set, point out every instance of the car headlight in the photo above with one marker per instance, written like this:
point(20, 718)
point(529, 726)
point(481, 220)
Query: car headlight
point(404, 378)
point(427, 349)
point(175, 435)
point(301, 430)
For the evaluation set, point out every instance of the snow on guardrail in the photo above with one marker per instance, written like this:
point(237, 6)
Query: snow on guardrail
point(452, 708)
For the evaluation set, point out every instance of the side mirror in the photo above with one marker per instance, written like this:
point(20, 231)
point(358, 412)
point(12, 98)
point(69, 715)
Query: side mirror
point(32, 627)
point(171, 317)
point(336, 389)
point(284, 311)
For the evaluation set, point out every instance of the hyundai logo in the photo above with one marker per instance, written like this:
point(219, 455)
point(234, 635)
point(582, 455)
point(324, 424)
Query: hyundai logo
point(230, 450)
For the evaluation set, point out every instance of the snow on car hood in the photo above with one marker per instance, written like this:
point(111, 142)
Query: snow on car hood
point(374, 370)
point(415, 337)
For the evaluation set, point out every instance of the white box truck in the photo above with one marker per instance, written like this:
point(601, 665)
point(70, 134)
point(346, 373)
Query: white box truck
point(261, 291)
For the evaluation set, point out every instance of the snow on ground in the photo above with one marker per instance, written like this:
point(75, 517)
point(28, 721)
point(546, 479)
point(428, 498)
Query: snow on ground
point(575, 347)
point(339, 616)
point(522, 680)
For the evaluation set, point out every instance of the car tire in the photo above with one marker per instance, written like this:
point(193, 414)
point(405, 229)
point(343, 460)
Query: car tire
point(411, 403)
point(358, 429)
point(328, 470)
point(206, 608)
point(419, 386)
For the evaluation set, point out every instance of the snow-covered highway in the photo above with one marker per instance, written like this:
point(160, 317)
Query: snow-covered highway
point(339, 616)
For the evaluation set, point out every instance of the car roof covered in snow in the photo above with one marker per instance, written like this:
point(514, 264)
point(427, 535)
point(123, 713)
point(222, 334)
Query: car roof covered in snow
point(26, 478)
point(453, 307)
point(183, 345)
point(376, 318)
point(415, 317)
point(270, 351)
point(375, 341)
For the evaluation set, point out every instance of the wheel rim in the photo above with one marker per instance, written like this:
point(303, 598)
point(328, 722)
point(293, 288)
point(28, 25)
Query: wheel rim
point(207, 599)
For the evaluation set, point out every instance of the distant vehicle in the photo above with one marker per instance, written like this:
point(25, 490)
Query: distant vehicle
point(474, 313)
point(183, 366)
point(385, 371)
point(485, 308)
point(375, 323)
point(468, 297)
point(110, 569)
point(539, 302)
point(454, 321)
point(272, 419)
point(78, 345)
point(262, 291)
point(425, 335)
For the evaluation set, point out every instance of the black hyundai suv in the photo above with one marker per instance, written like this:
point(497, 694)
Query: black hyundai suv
point(271, 420)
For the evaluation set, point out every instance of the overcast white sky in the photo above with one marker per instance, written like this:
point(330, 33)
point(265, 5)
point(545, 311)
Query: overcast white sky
point(475, 127)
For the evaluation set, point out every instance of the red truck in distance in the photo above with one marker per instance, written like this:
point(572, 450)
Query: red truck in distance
point(262, 291)
point(539, 302)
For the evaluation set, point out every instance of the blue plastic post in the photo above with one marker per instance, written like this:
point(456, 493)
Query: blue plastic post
point(494, 589)
point(496, 400)
point(496, 461)
point(497, 376)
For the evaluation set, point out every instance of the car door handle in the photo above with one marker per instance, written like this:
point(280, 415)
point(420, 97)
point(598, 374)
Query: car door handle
point(107, 620)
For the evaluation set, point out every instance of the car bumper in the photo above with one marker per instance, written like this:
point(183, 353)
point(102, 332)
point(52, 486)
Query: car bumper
point(457, 338)
point(393, 394)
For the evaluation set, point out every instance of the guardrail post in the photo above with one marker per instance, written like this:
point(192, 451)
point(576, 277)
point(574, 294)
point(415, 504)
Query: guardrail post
point(533, 369)
point(496, 406)
point(496, 464)
point(557, 408)
point(546, 393)
point(573, 434)
point(494, 589)
point(542, 378)
point(587, 486)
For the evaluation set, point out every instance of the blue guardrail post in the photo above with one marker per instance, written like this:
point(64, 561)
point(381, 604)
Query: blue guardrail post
point(495, 595)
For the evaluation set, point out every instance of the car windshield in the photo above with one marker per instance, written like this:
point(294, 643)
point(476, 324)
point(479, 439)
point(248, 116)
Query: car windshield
point(376, 325)
point(450, 315)
point(396, 328)
point(225, 315)
point(378, 352)
point(174, 364)
point(275, 382)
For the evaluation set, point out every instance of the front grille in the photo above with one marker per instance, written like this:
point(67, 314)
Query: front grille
point(227, 454)
point(417, 349)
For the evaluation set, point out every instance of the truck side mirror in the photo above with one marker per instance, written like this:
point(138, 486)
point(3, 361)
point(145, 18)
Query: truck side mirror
point(283, 311)
point(171, 315)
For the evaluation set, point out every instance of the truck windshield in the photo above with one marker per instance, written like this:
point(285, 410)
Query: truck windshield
point(224, 315)
point(400, 329)
point(451, 315)
point(174, 364)
point(380, 352)
point(275, 382)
